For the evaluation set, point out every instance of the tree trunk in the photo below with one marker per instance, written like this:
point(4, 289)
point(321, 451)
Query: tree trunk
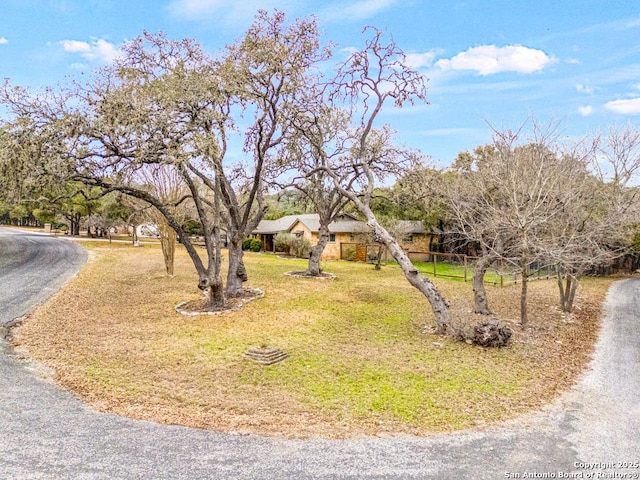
point(209, 277)
point(572, 293)
point(481, 303)
point(168, 244)
point(313, 269)
point(439, 305)
point(378, 265)
point(567, 286)
point(237, 273)
point(74, 224)
point(134, 236)
point(212, 287)
point(523, 292)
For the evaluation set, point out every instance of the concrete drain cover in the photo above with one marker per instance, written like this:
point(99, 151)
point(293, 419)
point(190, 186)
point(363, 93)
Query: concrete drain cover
point(266, 355)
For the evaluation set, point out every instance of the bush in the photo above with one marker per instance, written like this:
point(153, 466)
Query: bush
point(193, 228)
point(349, 253)
point(302, 247)
point(295, 245)
point(281, 242)
point(255, 245)
point(246, 245)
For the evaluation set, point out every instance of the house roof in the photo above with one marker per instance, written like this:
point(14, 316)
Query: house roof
point(345, 223)
point(416, 227)
point(283, 224)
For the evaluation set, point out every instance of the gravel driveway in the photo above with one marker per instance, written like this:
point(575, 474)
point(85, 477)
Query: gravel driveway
point(46, 433)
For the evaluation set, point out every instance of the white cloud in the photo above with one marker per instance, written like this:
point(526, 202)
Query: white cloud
point(490, 59)
point(630, 106)
point(96, 51)
point(584, 88)
point(75, 46)
point(585, 110)
point(3, 41)
point(420, 60)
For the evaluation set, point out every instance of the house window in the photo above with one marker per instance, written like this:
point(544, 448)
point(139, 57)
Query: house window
point(332, 237)
point(408, 238)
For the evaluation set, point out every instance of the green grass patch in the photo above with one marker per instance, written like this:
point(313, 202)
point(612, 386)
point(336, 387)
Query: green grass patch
point(457, 271)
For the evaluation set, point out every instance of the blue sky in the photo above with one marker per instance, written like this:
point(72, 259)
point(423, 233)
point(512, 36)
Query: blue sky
point(488, 62)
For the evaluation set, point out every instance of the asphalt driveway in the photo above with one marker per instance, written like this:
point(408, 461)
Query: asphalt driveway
point(46, 433)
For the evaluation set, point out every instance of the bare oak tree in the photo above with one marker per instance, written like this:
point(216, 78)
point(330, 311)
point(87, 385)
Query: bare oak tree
point(596, 227)
point(516, 199)
point(366, 81)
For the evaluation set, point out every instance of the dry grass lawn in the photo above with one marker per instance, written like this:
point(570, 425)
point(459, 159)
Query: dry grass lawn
point(361, 360)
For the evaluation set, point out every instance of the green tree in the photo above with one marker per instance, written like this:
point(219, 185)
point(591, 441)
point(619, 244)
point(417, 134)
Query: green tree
point(314, 138)
point(166, 103)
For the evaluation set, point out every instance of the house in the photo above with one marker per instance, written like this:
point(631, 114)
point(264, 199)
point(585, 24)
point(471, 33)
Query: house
point(416, 239)
point(349, 238)
point(345, 229)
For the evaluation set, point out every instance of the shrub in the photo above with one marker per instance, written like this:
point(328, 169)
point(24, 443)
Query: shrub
point(301, 247)
point(193, 228)
point(349, 253)
point(281, 242)
point(255, 245)
point(246, 244)
point(295, 245)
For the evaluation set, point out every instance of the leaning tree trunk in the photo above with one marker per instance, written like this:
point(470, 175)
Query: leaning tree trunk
point(237, 273)
point(313, 269)
point(481, 303)
point(439, 305)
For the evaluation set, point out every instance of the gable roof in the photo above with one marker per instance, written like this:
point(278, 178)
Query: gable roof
point(344, 223)
point(283, 224)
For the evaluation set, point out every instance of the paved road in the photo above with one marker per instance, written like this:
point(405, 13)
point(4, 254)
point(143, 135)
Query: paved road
point(34, 265)
point(46, 433)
